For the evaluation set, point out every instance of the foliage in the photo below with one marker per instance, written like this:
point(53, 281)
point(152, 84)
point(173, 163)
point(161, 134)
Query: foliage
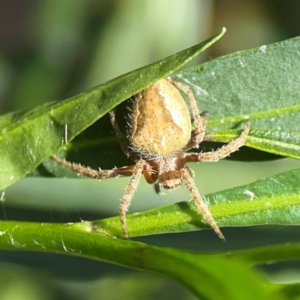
point(258, 84)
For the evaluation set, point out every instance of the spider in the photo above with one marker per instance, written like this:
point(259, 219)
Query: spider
point(159, 133)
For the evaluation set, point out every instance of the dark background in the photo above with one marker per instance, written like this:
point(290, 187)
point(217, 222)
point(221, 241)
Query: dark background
point(53, 49)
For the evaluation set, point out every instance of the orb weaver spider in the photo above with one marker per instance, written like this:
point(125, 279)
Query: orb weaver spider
point(159, 133)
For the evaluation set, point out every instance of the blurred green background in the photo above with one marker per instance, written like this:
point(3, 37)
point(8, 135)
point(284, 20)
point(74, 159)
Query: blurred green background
point(53, 49)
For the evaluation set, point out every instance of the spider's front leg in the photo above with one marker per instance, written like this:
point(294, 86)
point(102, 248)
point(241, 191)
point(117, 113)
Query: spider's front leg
point(129, 192)
point(223, 152)
point(135, 171)
point(202, 208)
point(89, 172)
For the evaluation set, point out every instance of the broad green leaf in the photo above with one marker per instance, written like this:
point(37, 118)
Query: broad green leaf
point(28, 138)
point(200, 273)
point(273, 200)
point(260, 84)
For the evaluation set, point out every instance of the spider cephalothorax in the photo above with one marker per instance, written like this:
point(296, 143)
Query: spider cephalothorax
point(159, 133)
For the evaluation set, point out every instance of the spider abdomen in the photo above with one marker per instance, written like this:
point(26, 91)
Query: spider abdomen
point(160, 122)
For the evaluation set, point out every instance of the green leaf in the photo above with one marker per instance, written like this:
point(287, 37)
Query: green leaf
point(36, 134)
point(270, 255)
point(273, 200)
point(260, 84)
point(266, 254)
point(289, 291)
point(200, 273)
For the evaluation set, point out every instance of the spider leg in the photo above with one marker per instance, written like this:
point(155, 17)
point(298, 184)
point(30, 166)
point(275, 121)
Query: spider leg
point(203, 209)
point(223, 152)
point(129, 192)
point(196, 139)
point(122, 140)
point(198, 133)
point(98, 174)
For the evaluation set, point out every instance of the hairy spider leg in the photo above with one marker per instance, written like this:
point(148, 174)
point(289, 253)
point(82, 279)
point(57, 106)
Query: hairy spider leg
point(134, 171)
point(224, 151)
point(98, 174)
point(198, 133)
point(202, 208)
point(128, 195)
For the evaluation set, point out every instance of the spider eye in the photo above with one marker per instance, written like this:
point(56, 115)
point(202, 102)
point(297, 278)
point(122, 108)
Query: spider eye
point(171, 183)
